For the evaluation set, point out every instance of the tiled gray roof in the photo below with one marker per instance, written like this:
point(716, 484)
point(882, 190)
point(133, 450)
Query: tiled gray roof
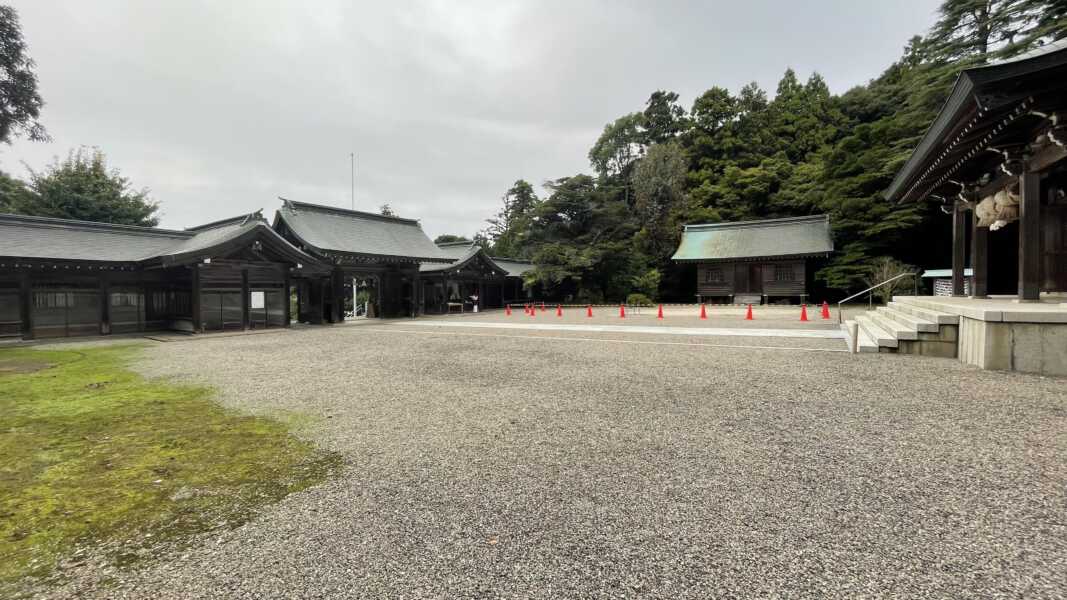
point(793, 236)
point(64, 239)
point(455, 250)
point(327, 229)
point(464, 252)
point(515, 268)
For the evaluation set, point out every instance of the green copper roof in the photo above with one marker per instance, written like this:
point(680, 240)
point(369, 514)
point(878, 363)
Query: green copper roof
point(793, 236)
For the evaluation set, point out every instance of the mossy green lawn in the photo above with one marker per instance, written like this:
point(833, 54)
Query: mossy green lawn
point(95, 460)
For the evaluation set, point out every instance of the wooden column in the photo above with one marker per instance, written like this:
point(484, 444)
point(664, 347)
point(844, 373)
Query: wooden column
point(287, 286)
point(337, 292)
point(246, 301)
point(1030, 237)
point(26, 304)
point(105, 305)
point(194, 299)
point(959, 248)
point(979, 259)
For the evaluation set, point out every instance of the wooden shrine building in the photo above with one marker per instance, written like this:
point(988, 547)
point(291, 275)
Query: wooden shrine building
point(995, 159)
point(61, 277)
point(473, 278)
point(370, 256)
point(753, 262)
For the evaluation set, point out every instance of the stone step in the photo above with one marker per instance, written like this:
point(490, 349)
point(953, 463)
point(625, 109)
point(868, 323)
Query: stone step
point(875, 331)
point(895, 328)
point(926, 314)
point(911, 321)
point(864, 343)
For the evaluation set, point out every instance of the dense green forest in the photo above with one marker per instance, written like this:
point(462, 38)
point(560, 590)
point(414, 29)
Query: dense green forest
point(749, 155)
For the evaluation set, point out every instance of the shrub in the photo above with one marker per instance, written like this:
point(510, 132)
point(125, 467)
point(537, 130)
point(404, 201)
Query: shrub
point(638, 300)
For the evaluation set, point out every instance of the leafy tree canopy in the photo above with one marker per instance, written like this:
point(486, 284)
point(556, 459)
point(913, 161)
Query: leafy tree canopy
point(83, 187)
point(445, 238)
point(20, 103)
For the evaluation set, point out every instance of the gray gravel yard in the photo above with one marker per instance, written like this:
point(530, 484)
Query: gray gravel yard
point(535, 465)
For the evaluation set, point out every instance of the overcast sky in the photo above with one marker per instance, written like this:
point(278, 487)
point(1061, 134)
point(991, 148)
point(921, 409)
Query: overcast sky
point(220, 107)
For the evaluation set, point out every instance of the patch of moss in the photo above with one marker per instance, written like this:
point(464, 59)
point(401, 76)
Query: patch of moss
point(94, 456)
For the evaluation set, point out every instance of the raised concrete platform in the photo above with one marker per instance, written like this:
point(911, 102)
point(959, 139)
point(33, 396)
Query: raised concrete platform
point(1002, 333)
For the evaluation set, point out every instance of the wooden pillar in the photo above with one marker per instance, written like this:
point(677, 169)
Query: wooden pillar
point(194, 299)
point(959, 248)
point(246, 301)
point(287, 286)
point(1030, 237)
point(105, 305)
point(26, 304)
point(336, 294)
point(979, 259)
point(481, 294)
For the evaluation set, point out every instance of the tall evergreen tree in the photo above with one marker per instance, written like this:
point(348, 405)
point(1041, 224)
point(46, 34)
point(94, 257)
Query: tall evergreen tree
point(20, 103)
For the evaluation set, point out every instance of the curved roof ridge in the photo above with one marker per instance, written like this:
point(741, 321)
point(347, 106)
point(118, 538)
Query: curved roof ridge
point(56, 222)
point(761, 222)
point(252, 216)
point(296, 206)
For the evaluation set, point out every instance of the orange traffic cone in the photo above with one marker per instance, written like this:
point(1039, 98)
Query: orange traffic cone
point(825, 310)
point(748, 315)
point(659, 315)
point(533, 310)
point(589, 310)
point(622, 311)
point(507, 309)
point(703, 311)
point(526, 309)
point(803, 312)
point(542, 307)
point(559, 310)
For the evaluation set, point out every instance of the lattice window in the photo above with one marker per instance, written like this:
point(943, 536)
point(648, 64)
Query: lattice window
point(713, 275)
point(784, 273)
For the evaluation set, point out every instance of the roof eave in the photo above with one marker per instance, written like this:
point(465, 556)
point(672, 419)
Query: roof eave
point(751, 258)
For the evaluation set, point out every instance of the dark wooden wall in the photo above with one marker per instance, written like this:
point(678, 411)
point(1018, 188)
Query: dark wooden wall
point(766, 277)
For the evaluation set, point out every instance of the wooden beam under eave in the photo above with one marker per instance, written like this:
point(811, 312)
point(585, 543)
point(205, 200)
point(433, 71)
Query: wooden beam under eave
point(1046, 157)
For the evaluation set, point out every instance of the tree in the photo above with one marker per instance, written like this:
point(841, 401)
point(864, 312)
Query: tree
point(506, 232)
point(659, 191)
point(13, 194)
point(622, 142)
point(664, 118)
point(387, 211)
point(446, 238)
point(20, 103)
point(82, 187)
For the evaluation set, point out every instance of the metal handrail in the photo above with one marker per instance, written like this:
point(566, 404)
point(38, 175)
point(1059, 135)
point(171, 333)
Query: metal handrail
point(876, 286)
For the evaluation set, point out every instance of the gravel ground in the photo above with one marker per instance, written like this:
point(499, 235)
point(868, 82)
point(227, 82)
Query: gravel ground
point(483, 466)
point(776, 317)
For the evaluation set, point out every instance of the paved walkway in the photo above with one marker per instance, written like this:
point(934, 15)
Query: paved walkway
point(826, 334)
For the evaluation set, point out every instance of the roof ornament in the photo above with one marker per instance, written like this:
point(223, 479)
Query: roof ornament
point(1057, 134)
point(962, 195)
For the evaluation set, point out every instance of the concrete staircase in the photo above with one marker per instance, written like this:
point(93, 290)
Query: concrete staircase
point(907, 325)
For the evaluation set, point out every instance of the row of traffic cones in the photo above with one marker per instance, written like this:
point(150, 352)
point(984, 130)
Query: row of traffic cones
point(531, 310)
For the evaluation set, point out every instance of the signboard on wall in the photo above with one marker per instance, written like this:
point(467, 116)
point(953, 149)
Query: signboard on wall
point(258, 300)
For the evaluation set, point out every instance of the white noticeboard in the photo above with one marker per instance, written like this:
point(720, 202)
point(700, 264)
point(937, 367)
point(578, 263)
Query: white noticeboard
point(258, 299)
